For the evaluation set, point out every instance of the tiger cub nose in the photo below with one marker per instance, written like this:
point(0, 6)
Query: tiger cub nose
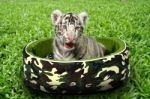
point(70, 38)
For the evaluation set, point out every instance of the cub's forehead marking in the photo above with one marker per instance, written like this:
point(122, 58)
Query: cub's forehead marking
point(70, 18)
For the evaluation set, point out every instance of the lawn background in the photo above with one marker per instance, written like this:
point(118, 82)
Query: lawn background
point(23, 21)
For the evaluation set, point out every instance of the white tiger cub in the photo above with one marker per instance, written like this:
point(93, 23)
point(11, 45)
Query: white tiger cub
point(69, 42)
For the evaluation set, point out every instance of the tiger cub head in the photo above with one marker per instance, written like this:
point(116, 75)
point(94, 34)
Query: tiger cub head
point(68, 27)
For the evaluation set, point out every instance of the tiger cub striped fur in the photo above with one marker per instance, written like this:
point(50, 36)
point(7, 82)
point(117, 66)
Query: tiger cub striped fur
point(69, 42)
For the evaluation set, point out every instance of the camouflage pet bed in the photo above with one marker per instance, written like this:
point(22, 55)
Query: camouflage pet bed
point(75, 77)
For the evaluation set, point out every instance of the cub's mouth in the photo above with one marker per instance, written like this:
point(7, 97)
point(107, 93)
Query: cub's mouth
point(69, 45)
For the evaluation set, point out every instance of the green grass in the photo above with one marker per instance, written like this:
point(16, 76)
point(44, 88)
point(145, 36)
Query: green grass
point(22, 21)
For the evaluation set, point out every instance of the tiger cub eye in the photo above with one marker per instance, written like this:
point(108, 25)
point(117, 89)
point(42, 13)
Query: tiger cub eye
point(77, 28)
point(64, 27)
point(59, 33)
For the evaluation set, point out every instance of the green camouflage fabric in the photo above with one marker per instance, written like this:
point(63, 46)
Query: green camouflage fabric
point(76, 77)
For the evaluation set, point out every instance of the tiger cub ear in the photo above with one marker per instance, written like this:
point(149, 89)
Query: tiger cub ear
point(83, 17)
point(55, 16)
